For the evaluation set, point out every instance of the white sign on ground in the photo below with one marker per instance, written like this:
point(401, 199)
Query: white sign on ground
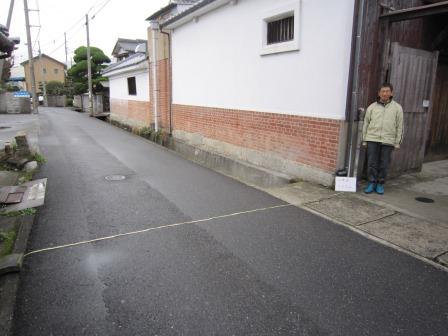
point(347, 184)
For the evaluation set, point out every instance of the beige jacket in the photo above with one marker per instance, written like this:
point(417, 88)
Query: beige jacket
point(384, 123)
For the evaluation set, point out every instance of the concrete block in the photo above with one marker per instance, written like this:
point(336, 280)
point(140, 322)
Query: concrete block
point(8, 178)
point(11, 263)
point(443, 259)
point(30, 166)
point(266, 160)
point(25, 224)
point(243, 171)
point(416, 235)
point(301, 193)
point(350, 210)
point(438, 187)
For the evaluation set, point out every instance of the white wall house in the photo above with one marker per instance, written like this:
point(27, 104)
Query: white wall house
point(264, 81)
point(129, 91)
point(220, 59)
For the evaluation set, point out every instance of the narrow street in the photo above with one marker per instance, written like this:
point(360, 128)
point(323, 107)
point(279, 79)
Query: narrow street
point(263, 267)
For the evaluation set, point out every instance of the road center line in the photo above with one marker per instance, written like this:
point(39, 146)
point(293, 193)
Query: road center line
point(84, 242)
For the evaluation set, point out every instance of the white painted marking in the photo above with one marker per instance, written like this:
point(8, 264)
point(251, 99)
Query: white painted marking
point(84, 242)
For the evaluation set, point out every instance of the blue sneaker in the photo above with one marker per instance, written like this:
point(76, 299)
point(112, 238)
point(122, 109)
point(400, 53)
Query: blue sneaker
point(380, 189)
point(370, 188)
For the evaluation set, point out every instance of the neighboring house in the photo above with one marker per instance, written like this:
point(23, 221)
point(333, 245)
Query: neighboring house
point(279, 83)
point(125, 48)
point(129, 89)
point(129, 77)
point(46, 69)
point(17, 77)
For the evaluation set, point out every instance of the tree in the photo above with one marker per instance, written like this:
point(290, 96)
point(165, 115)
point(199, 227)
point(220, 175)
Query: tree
point(78, 72)
point(55, 88)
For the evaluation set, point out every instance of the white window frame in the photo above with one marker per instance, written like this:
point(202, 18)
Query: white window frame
point(277, 14)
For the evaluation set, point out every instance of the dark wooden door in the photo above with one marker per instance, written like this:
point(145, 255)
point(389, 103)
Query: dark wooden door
point(412, 73)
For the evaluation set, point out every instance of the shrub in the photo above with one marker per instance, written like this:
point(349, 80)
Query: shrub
point(69, 101)
point(146, 132)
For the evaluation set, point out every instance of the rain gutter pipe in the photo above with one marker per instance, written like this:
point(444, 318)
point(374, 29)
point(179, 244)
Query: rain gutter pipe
point(170, 79)
point(155, 28)
point(354, 84)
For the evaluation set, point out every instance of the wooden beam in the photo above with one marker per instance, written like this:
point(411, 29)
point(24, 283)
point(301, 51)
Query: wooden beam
point(416, 12)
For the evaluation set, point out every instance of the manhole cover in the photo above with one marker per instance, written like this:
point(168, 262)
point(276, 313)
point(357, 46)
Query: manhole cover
point(4, 127)
point(115, 177)
point(424, 200)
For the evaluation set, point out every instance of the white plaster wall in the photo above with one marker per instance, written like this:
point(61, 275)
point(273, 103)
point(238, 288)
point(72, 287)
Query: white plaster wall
point(118, 85)
point(217, 61)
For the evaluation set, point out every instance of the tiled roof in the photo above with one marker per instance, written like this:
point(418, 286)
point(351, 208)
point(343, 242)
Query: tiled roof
point(127, 44)
point(198, 4)
point(127, 62)
point(175, 7)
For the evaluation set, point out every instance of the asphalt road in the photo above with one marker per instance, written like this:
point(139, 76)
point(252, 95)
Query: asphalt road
point(278, 271)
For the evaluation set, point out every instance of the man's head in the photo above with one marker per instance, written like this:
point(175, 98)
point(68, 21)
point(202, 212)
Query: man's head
point(385, 92)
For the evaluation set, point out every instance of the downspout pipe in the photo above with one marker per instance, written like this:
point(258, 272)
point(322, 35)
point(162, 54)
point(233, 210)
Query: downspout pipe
point(353, 88)
point(155, 29)
point(170, 79)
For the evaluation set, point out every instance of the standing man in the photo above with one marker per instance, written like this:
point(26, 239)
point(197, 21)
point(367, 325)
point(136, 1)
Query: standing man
point(382, 133)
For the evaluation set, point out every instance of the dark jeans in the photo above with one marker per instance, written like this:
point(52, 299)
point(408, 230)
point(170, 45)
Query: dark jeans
point(378, 160)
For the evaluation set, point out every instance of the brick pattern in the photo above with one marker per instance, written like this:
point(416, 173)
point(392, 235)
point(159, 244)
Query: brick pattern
point(136, 111)
point(163, 96)
point(305, 140)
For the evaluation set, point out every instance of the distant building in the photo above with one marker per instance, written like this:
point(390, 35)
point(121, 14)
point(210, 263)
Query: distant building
point(17, 77)
point(129, 77)
point(125, 48)
point(129, 84)
point(46, 69)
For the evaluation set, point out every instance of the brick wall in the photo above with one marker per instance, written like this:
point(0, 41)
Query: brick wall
point(130, 112)
point(164, 89)
point(305, 140)
point(163, 97)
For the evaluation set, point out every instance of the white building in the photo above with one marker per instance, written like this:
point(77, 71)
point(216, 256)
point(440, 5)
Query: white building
point(264, 81)
point(129, 89)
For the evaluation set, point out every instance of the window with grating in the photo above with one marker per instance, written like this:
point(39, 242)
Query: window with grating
point(132, 87)
point(280, 30)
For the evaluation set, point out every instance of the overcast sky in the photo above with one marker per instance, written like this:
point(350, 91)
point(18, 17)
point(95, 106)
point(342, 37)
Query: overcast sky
point(118, 18)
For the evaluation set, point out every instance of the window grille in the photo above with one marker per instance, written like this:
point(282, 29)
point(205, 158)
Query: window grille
point(281, 30)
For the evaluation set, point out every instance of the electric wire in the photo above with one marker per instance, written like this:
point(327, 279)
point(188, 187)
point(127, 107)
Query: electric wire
point(77, 25)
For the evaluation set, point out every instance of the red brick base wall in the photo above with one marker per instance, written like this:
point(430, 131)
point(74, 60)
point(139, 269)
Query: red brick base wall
point(163, 96)
point(305, 140)
point(134, 113)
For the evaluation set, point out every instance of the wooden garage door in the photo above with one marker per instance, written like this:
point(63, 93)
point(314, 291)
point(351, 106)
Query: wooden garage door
point(412, 73)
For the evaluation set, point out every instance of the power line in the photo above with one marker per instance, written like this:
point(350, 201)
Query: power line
point(99, 10)
point(68, 39)
point(100, 4)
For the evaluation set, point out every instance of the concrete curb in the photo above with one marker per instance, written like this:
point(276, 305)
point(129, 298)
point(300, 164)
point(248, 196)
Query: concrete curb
point(9, 283)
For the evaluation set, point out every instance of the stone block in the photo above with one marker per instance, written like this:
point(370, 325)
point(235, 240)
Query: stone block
point(413, 234)
point(350, 210)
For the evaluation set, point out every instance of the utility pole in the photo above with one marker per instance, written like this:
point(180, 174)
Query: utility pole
point(30, 57)
point(65, 41)
point(44, 82)
point(89, 68)
point(11, 7)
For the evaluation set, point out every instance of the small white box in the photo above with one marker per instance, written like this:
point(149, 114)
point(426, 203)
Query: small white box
point(347, 184)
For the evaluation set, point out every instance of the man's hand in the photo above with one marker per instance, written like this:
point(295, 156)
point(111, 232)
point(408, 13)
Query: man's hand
point(364, 144)
point(397, 147)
